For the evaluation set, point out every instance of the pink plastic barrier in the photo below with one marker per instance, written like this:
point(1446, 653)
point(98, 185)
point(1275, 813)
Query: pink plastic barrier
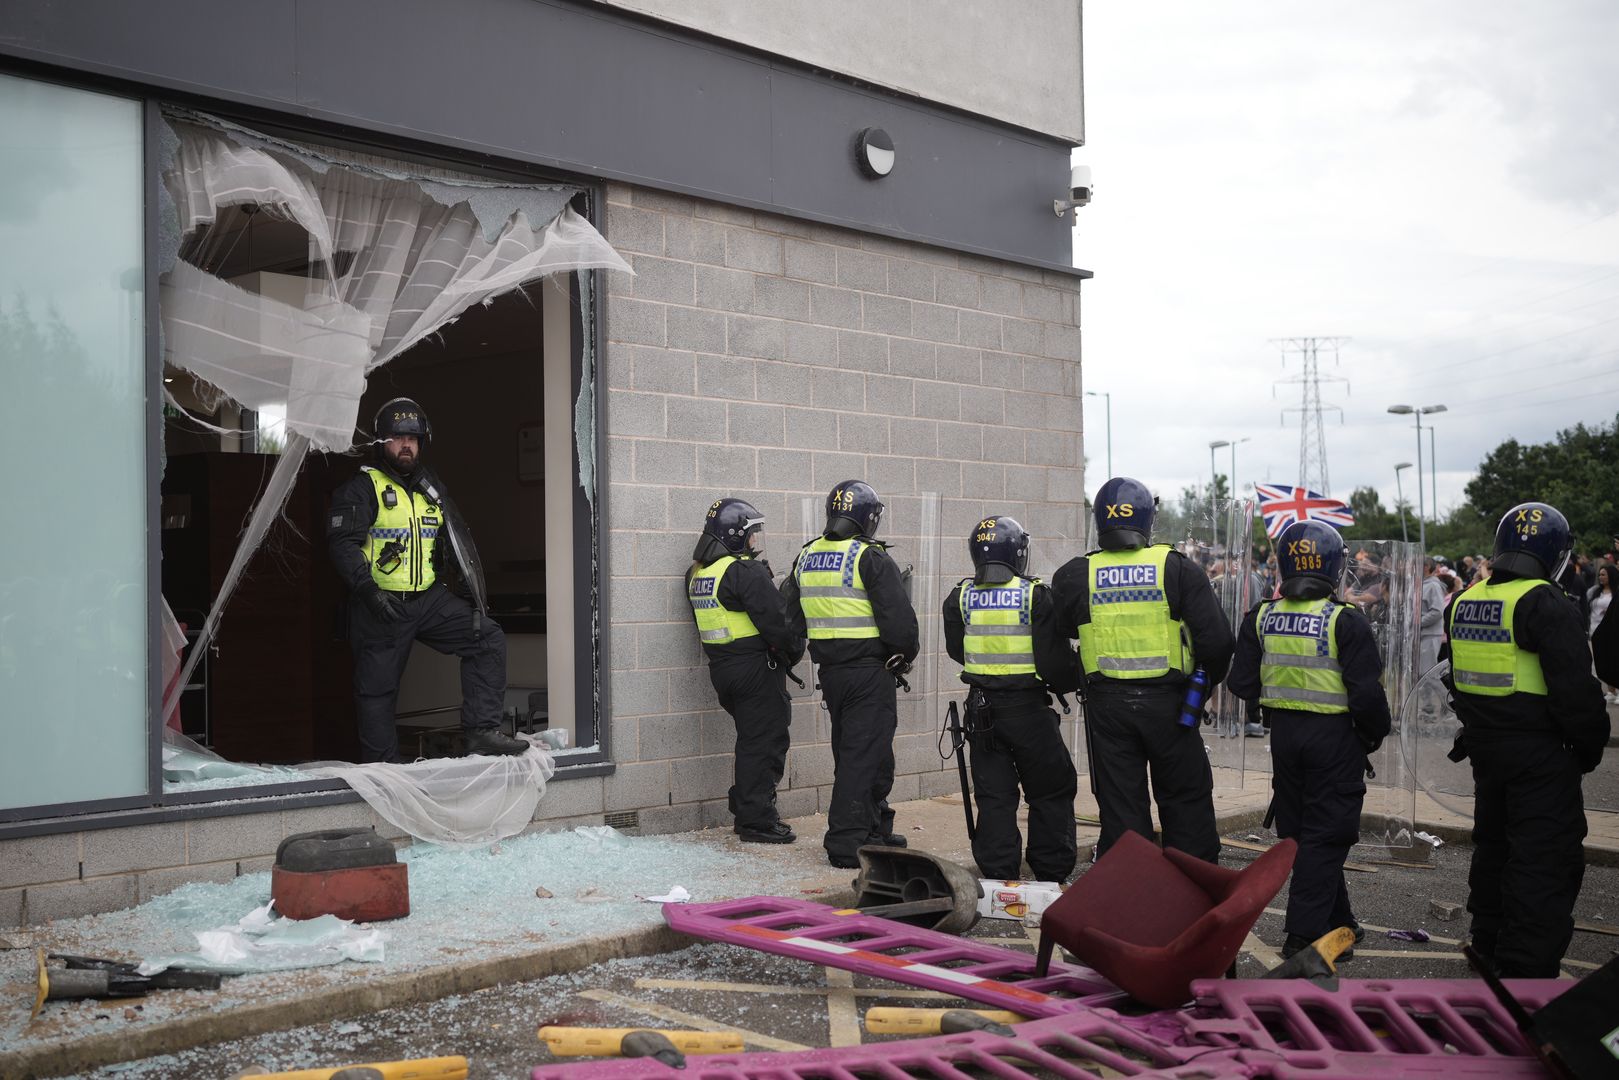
point(1268, 1030)
point(1000, 978)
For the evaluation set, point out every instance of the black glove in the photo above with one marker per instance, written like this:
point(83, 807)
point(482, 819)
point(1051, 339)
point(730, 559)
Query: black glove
point(1458, 749)
point(383, 605)
point(1587, 757)
point(1368, 743)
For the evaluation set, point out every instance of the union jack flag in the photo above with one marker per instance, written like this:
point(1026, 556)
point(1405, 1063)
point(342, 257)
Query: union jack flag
point(1282, 505)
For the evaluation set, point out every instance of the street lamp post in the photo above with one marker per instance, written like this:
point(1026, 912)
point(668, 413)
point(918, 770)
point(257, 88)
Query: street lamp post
point(1214, 518)
point(1107, 399)
point(1433, 475)
point(1399, 494)
point(1419, 412)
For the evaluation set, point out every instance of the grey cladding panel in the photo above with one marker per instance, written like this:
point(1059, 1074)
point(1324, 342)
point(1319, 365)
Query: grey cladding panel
point(250, 48)
point(565, 84)
point(956, 180)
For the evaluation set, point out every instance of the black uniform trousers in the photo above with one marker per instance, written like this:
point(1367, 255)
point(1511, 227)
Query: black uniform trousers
point(1133, 729)
point(1318, 786)
point(1022, 745)
point(756, 697)
point(1528, 855)
point(861, 698)
point(443, 622)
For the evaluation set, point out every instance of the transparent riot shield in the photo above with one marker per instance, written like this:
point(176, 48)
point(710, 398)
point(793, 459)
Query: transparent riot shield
point(1218, 538)
point(1428, 727)
point(1383, 580)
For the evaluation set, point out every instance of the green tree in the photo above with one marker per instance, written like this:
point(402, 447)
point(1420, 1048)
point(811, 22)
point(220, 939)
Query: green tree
point(1372, 521)
point(1573, 472)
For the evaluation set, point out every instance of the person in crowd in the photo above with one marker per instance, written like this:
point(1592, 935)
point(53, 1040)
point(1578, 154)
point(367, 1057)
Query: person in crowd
point(1533, 721)
point(1001, 626)
point(1311, 662)
point(1597, 603)
point(1146, 618)
point(742, 625)
point(846, 595)
point(386, 533)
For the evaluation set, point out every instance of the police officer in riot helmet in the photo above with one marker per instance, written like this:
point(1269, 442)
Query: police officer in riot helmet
point(1001, 625)
point(847, 596)
point(387, 531)
point(1146, 617)
point(742, 625)
point(1311, 662)
point(1533, 720)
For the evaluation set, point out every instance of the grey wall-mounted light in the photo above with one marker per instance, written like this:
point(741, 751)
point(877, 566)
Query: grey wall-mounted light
point(874, 153)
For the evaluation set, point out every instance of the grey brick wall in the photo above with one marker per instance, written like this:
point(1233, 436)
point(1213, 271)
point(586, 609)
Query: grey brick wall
point(767, 358)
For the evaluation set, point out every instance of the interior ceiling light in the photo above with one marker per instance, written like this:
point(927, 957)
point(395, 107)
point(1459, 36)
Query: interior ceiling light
point(874, 152)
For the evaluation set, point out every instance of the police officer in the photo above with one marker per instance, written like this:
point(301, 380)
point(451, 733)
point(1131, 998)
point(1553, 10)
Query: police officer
point(1001, 626)
point(1311, 662)
point(1146, 617)
point(1533, 721)
point(383, 535)
point(847, 596)
point(742, 624)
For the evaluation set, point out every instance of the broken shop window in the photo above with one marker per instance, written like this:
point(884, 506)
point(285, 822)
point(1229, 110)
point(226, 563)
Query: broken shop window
point(302, 286)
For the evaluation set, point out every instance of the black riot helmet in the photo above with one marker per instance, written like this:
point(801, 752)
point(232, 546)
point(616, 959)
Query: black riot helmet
point(402, 416)
point(1533, 540)
point(853, 509)
point(1310, 556)
point(1000, 550)
point(731, 527)
point(1124, 511)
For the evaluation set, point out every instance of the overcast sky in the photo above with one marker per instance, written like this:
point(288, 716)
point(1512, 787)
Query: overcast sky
point(1437, 181)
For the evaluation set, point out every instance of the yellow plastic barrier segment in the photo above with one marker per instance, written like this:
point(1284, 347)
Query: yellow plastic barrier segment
point(608, 1042)
point(439, 1068)
point(887, 1020)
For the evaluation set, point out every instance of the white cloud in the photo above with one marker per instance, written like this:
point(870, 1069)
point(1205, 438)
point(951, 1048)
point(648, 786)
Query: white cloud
point(1429, 180)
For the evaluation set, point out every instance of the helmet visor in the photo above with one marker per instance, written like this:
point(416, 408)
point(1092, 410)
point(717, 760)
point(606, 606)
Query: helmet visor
point(753, 534)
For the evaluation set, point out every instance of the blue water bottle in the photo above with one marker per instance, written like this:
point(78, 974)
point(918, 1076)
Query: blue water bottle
point(1197, 691)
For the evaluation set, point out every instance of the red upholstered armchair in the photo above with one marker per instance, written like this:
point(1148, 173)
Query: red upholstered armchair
point(1150, 921)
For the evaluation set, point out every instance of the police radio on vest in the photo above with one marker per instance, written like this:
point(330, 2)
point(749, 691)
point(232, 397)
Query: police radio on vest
point(1112, 577)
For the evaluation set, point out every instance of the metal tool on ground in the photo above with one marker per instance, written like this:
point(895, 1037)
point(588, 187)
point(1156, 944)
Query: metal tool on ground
point(351, 873)
point(1577, 1033)
point(894, 1020)
point(667, 1046)
point(917, 889)
point(958, 750)
point(1318, 963)
point(438, 1068)
point(97, 978)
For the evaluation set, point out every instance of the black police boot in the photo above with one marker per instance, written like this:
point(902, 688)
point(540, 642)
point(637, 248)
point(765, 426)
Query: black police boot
point(777, 832)
point(892, 839)
point(1295, 943)
point(492, 740)
point(842, 862)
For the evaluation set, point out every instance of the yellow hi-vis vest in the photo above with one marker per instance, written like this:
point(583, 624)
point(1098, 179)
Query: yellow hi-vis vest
point(1299, 668)
point(1484, 654)
point(413, 521)
point(999, 621)
point(1131, 634)
point(716, 624)
point(831, 592)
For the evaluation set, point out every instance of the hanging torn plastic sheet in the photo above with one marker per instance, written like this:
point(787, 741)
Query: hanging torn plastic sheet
point(455, 802)
point(418, 247)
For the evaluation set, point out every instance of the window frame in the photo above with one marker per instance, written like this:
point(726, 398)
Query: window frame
point(592, 573)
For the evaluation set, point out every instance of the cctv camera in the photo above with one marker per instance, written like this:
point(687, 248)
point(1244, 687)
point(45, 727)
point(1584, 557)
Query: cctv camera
point(1079, 191)
point(1079, 184)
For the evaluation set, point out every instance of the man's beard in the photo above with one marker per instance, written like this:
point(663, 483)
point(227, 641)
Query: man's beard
point(399, 467)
